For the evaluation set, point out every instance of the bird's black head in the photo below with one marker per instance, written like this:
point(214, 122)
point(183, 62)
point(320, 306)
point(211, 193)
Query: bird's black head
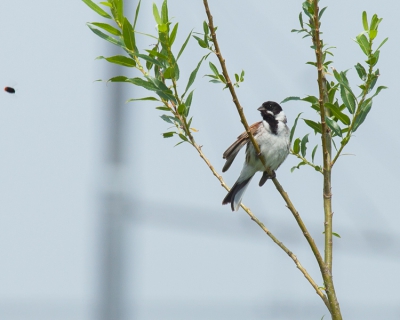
point(270, 107)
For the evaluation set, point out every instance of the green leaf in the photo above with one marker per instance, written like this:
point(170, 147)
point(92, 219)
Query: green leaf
point(136, 14)
point(294, 125)
point(183, 137)
point(290, 99)
point(173, 35)
point(147, 99)
point(296, 146)
point(182, 109)
point(129, 36)
point(164, 12)
point(333, 126)
point(168, 134)
point(313, 153)
point(201, 42)
point(118, 79)
point(97, 9)
point(107, 28)
point(150, 59)
point(107, 4)
point(167, 119)
point(383, 42)
point(365, 109)
point(193, 76)
point(311, 99)
point(304, 142)
point(378, 90)
point(321, 12)
point(336, 234)
point(335, 111)
point(105, 37)
point(156, 14)
point(301, 20)
point(142, 83)
point(372, 34)
point(205, 28)
point(363, 42)
point(365, 20)
point(189, 98)
point(184, 45)
point(361, 71)
point(348, 99)
point(121, 60)
point(314, 125)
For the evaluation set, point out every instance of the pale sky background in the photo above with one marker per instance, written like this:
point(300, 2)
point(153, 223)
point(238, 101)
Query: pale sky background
point(183, 254)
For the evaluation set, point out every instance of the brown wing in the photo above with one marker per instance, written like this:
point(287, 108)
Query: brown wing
point(233, 150)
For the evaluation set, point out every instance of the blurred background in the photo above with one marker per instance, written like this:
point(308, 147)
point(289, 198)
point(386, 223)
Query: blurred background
point(102, 218)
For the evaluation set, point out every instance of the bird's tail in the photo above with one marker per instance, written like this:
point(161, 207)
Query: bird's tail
point(235, 195)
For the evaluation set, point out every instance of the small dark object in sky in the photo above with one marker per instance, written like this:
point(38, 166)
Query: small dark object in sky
point(9, 90)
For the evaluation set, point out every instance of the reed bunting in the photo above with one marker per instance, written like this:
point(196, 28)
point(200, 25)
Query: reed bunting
point(273, 137)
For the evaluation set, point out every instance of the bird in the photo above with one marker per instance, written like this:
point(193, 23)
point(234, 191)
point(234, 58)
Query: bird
point(273, 137)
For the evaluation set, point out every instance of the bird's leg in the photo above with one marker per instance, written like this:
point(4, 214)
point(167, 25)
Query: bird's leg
point(266, 176)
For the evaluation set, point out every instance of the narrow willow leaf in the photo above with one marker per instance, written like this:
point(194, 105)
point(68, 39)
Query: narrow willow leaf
point(348, 99)
point(313, 153)
point(303, 147)
point(129, 36)
point(201, 42)
point(290, 99)
point(136, 14)
point(167, 119)
point(184, 45)
point(311, 99)
point(205, 28)
point(365, 20)
point(383, 42)
point(335, 111)
point(365, 109)
point(294, 125)
point(336, 234)
point(314, 125)
point(363, 43)
point(163, 108)
point(142, 83)
point(182, 109)
point(149, 99)
point(168, 134)
point(301, 20)
point(296, 146)
point(156, 14)
point(121, 60)
point(333, 126)
point(193, 76)
point(164, 12)
point(361, 71)
point(118, 79)
point(166, 96)
point(105, 37)
point(321, 12)
point(150, 59)
point(173, 35)
point(107, 28)
point(189, 98)
point(183, 137)
point(378, 90)
point(97, 9)
point(107, 4)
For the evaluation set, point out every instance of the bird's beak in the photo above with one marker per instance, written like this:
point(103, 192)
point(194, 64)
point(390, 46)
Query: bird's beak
point(262, 108)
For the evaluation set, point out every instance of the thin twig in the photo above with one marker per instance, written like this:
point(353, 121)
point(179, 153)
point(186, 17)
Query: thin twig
point(239, 108)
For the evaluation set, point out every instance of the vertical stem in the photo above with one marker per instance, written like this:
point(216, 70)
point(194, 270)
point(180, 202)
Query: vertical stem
point(326, 146)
